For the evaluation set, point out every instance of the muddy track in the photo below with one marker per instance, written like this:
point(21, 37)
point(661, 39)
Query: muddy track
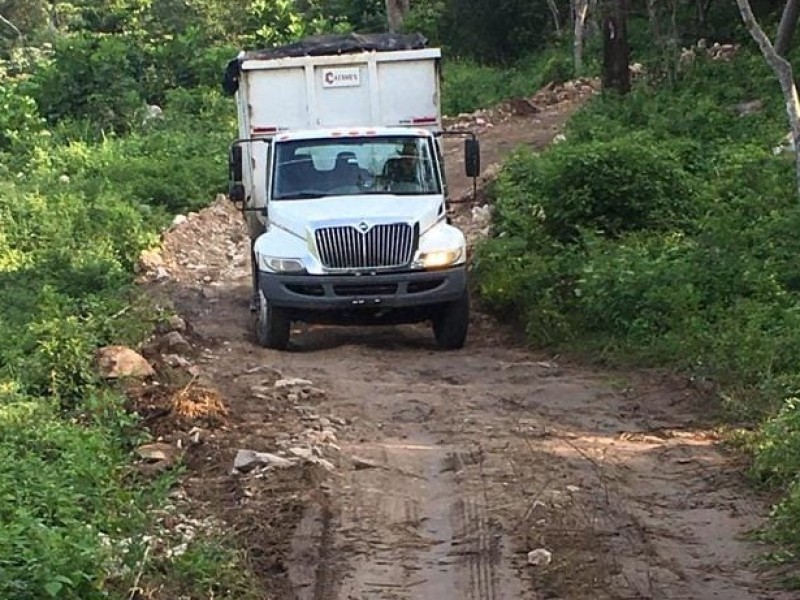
point(453, 466)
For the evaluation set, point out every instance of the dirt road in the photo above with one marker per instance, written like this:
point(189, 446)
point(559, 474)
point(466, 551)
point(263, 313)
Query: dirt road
point(445, 470)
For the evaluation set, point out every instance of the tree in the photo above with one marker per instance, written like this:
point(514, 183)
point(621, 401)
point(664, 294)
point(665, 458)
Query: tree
point(787, 26)
point(10, 25)
point(396, 10)
point(553, 7)
point(616, 52)
point(783, 71)
point(580, 9)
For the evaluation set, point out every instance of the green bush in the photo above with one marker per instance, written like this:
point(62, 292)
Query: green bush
point(20, 122)
point(62, 494)
point(468, 85)
point(777, 449)
point(93, 77)
point(627, 184)
point(699, 108)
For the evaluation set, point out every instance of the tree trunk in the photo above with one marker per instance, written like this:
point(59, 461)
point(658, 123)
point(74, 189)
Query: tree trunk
point(703, 7)
point(10, 25)
point(616, 53)
point(551, 4)
point(787, 27)
point(652, 15)
point(783, 71)
point(580, 8)
point(396, 10)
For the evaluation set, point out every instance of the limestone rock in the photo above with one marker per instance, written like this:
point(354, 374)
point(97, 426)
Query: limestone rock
point(247, 460)
point(176, 323)
point(116, 362)
point(157, 451)
point(174, 342)
point(539, 557)
point(149, 261)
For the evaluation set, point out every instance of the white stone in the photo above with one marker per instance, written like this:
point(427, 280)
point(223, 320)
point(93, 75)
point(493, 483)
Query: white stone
point(539, 557)
point(291, 382)
point(247, 460)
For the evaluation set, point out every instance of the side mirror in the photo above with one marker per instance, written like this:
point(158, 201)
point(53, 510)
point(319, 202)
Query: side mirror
point(235, 186)
point(472, 157)
point(236, 192)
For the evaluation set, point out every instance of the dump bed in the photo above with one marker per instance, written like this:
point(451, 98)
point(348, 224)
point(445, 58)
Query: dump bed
point(365, 86)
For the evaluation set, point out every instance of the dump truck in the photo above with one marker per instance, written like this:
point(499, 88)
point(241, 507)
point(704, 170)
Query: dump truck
point(338, 169)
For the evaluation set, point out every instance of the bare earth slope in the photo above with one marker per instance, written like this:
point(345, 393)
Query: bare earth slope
point(446, 469)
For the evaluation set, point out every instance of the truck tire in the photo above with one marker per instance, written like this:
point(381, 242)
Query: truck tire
point(272, 325)
point(451, 324)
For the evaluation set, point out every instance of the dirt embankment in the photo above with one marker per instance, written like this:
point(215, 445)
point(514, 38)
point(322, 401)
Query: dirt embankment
point(409, 473)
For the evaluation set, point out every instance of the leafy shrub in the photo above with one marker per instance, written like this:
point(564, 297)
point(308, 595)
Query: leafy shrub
point(19, 120)
point(627, 184)
point(532, 285)
point(777, 449)
point(700, 107)
point(785, 522)
point(639, 286)
point(93, 77)
point(61, 490)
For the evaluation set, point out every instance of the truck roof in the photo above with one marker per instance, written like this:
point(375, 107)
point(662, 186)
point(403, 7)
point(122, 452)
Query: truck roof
point(347, 132)
point(324, 45)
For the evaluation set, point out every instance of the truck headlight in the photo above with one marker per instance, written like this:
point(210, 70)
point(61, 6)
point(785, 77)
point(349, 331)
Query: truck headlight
point(440, 258)
point(281, 265)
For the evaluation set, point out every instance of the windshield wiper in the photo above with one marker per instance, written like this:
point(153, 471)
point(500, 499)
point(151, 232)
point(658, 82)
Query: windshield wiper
point(302, 196)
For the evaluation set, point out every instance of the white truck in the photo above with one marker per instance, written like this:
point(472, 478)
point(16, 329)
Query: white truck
point(338, 168)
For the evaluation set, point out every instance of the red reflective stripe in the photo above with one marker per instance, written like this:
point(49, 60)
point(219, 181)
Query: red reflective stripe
point(265, 129)
point(421, 120)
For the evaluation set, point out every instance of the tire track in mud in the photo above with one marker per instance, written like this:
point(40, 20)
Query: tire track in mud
point(412, 533)
point(477, 543)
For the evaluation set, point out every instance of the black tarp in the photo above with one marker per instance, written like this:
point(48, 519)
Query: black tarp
point(325, 45)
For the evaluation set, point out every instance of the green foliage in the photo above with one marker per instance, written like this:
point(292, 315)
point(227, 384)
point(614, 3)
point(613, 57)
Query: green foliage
point(60, 485)
point(498, 32)
point(427, 18)
point(76, 209)
point(778, 446)
point(468, 85)
point(90, 77)
point(628, 184)
point(211, 567)
point(692, 109)
point(19, 120)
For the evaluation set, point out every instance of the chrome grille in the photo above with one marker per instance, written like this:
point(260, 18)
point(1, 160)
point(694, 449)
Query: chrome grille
point(381, 246)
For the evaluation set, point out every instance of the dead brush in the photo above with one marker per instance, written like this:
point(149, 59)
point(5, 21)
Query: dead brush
point(195, 403)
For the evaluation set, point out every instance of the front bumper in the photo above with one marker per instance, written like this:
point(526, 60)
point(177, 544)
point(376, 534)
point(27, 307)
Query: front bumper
point(367, 292)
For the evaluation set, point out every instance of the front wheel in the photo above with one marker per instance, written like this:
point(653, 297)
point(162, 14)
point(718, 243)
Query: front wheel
point(272, 325)
point(451, 324)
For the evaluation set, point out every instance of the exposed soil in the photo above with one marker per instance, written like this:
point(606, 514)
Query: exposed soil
point(436, 473)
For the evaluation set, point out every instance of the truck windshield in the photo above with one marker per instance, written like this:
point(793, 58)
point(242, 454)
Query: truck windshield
point(354, 166)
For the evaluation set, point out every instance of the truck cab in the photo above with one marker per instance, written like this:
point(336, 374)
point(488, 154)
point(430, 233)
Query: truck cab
point(339, 172)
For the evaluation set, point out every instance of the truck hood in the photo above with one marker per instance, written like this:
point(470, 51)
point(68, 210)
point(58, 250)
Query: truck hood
point(301, 217)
